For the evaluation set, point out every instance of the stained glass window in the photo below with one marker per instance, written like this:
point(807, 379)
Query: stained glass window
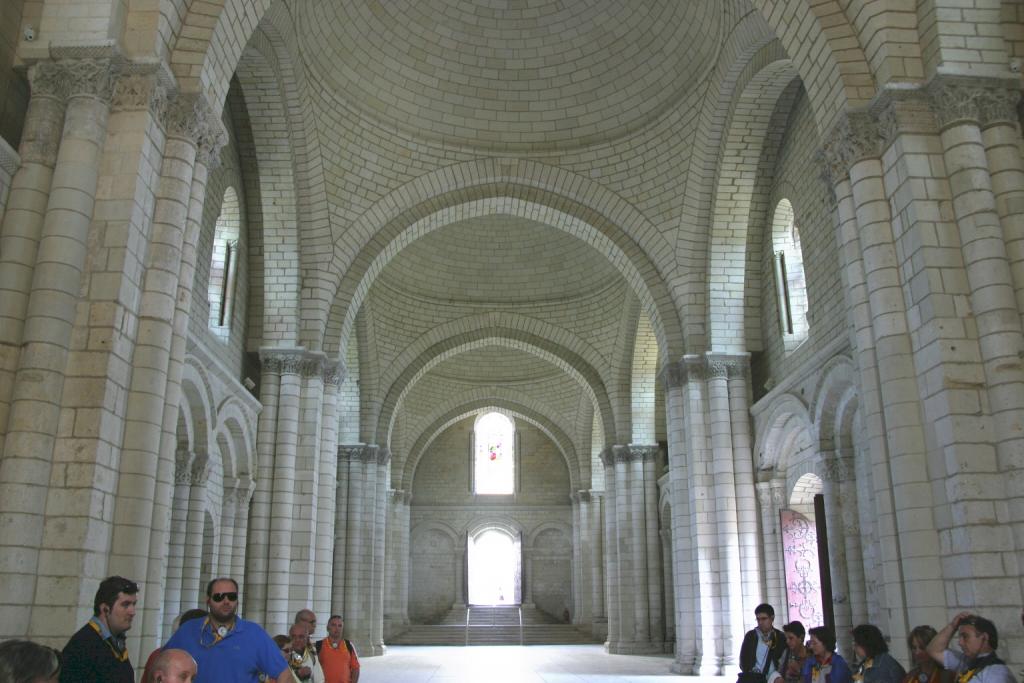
point(494, 460)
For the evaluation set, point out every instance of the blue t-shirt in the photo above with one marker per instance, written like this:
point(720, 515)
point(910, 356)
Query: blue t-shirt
point(240, 657)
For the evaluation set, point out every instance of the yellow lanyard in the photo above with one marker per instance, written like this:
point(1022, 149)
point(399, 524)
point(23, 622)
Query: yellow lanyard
point(121, 656)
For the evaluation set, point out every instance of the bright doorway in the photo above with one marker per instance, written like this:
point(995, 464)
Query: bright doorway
point(494, 568)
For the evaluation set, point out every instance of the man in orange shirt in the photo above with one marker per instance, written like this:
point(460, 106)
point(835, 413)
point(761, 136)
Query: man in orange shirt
point(337, 655)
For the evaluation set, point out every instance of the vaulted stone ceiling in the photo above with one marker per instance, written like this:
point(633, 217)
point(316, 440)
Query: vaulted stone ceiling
point(520, 73)
point(400, 88)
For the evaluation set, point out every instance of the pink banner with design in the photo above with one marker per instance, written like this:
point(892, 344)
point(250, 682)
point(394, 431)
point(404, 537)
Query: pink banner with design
point(803, 581)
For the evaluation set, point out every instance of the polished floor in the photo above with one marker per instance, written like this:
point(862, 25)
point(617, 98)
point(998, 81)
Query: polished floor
point(514, 664)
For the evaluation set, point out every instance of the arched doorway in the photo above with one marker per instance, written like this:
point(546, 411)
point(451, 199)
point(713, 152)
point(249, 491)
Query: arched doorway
point(495, 572)
point(805, 554)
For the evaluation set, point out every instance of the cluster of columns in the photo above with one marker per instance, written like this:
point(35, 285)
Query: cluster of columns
point(632, 547)
point(928, 185)
point(396, 579)
point(588, 562)
point(714, 527)
point(94, 305)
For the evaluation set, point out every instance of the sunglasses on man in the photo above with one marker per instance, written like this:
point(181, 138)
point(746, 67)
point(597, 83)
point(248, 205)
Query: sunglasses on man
point(221, 597)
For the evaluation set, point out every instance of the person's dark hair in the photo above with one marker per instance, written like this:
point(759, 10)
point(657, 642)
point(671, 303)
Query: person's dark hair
point(982, 625)
point(796, 628)
point(765, 608)
point(281, 640)
point(336, 616)
point(826, 636)
point(22, 661)
point(109, 589)
point(922, 634)
point(870, 639)
point(209, 586)
point(190, 614)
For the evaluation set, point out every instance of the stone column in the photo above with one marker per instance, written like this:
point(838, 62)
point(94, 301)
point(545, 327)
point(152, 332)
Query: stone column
point(577, 569)
point(365, 480)
point(723, 466)
point(191, 576)
point(611, 555)
point(175, 553)
point(242, 501)
point(211, 136)
point(396, 568)
point(655, 593)
point(24, 214)
point(338, 595)
point(323, 567)
point(673, 378)
point(259, 546)
point(596, 561)
point(149, 392)
point(750, 541)
point(836, 472)
point(460, 589)
point(962, 104)
point(380, 516)
point(25, 469)
point(770, 500)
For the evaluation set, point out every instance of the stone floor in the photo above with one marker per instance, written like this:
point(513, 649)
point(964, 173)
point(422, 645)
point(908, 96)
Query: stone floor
point(514, 664)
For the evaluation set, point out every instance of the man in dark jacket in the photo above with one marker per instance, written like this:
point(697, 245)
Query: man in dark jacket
point(97, 653)
point(763, 646)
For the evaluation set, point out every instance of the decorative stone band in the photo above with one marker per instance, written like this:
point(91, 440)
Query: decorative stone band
point(695, 367)
point(947, 100)
point(307, 364)
point(400, 497)
point(628, 453)
point(580, 496)
point(364, 452)
point(192, 467)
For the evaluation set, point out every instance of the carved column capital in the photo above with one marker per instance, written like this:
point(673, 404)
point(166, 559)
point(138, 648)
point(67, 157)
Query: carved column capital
point(672, 375)
point(855, 136)
point(140, 91)
point(986, 101)
point(47, 79)
point(334, 373)
point(90, 78)
point(837, 469)
point(607, 456)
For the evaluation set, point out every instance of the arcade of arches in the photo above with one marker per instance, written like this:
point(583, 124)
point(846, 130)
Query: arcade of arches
point(745, 277)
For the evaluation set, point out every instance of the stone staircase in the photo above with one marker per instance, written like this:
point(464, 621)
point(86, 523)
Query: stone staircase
point(493, 625)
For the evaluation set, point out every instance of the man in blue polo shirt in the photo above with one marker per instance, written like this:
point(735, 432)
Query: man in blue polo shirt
point(227, 648)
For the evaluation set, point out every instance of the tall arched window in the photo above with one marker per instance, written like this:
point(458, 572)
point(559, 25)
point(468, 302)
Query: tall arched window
point(790, 283)
point(224, 264)
point(494, 467)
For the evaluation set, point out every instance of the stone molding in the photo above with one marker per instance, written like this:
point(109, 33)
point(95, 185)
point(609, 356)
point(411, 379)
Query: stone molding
point(709, 366)
point(672, 375)
point(192, 468)
point(855, 136)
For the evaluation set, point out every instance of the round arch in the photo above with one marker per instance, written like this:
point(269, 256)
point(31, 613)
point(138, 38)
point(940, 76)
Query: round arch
point(515, 406)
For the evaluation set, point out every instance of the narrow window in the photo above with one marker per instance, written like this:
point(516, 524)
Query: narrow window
point(224, 265)
point(494, 460)
point(790, 281)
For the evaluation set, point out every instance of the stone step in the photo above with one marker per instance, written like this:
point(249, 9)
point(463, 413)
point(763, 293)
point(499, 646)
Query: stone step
point(441, 634)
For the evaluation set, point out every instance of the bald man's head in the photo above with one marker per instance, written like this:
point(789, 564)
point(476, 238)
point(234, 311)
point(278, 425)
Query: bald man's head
point(174, 666)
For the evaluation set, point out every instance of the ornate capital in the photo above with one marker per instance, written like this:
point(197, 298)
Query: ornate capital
point(856, 136)
point(837, 468)
point(334, 373)
point(47, 79)
point(986, 101)
point(717, 369)
point(90, 78)
point(634, 452)
point(607, 456)
point(139, 91)
point(693, 367)
point(672, 375)
point(383, 455)
point(400, 497)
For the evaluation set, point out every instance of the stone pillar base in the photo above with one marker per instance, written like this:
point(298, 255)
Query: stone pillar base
point(624, 648)
point(599, 628)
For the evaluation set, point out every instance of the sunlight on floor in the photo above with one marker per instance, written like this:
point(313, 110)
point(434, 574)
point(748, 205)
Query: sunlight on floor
point(512, 664)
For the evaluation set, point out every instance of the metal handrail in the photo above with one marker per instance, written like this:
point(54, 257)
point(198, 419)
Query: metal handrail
point(468, 609)
point(520, 610)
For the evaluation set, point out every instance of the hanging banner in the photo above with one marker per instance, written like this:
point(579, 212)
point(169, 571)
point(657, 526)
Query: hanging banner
point(803, 580)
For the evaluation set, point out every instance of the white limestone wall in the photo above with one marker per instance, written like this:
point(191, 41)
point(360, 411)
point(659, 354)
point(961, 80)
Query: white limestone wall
point(443, 511)
point(796, 176)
